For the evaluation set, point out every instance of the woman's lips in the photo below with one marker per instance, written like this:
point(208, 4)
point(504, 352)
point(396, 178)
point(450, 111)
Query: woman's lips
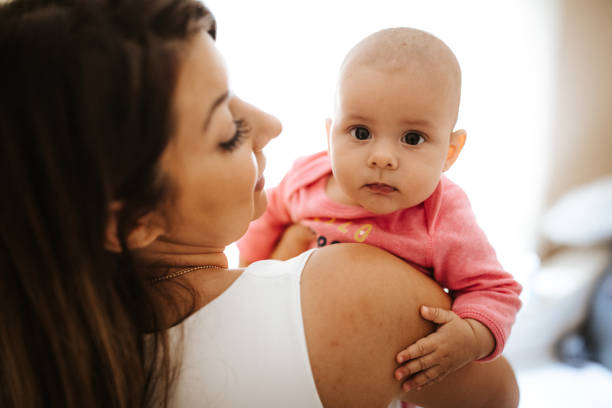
point(260, 184)
point(380, 188)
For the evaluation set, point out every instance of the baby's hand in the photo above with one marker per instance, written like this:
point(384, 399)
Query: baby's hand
point(430, 359)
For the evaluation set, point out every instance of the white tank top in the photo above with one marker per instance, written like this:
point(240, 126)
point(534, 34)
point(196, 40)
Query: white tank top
point(247, 347)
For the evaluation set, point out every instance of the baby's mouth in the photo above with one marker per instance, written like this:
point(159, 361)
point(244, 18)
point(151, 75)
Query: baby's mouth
point(380, 188)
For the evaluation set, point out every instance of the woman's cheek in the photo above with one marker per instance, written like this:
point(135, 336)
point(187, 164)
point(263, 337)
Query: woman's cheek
point(241, 180)
point(260, 204)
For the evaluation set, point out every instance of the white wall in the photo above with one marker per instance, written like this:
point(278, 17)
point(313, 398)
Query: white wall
point(583, 97)
point(284, 55)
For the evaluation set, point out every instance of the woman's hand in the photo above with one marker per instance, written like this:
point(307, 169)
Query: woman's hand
point(295, 240)
point(455, 343)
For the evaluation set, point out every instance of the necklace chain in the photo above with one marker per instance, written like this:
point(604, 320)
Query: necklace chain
point(181, 272)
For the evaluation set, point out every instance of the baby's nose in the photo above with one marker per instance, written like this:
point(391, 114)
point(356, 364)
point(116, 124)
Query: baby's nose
point(383, 159)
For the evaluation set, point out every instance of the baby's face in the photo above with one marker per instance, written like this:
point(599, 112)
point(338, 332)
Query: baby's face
point(390, 137)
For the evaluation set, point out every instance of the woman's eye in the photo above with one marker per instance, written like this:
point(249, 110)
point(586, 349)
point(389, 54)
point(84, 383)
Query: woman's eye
point(360, 133)
point(413, 138)
point(237, 138)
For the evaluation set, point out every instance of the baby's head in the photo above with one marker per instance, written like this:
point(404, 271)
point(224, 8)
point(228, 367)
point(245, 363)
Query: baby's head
point(392, 135)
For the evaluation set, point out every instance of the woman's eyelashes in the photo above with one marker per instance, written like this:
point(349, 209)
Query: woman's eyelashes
point(238, 138)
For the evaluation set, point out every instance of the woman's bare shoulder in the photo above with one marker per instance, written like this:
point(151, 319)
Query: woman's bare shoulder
point(368, 279)
point(360, 307)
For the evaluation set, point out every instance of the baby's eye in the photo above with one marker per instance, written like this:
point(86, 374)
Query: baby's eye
point(360, 133)
point(413, 138)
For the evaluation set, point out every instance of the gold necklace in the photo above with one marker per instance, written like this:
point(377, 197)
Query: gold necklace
point(181, 272)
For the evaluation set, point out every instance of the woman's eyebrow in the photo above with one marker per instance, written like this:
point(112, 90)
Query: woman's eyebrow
point(214, 106)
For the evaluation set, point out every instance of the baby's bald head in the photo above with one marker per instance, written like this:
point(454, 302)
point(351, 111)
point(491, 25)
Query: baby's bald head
point(395, 111)
point(407, 51)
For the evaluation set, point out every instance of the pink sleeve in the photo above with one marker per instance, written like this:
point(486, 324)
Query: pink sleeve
point(264, 232)
point(466, 264)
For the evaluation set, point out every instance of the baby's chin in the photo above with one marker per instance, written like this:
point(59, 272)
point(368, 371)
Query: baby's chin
point(384, 205)
point(381, 208)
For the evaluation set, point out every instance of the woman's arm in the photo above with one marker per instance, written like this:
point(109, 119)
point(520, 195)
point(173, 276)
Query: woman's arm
point(360, 307)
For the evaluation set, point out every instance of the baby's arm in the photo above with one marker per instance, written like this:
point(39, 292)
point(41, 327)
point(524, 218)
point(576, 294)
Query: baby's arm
point(265, 232)
point(485, 297)
point(273, 235)
point(295, 239)
point(464, 261)
point(455, 343)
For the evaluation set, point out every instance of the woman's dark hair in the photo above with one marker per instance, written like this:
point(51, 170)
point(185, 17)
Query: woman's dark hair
point(85, 112)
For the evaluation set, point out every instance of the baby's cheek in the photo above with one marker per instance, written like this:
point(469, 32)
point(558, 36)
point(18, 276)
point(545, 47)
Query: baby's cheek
point(353, 182)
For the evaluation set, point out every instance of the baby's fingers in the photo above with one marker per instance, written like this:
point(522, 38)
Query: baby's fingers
point(422, 347)
point(415, 366)
point(424, 378)
point(437, 315)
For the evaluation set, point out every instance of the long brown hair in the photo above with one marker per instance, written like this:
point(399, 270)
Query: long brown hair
point(85, 113)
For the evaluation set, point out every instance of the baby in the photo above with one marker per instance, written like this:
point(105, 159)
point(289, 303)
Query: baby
point(381, 182)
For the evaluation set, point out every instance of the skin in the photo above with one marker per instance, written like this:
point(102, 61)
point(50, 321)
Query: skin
point(216, 151)
point(354, 318)
point(382, 135)
point(346, 306)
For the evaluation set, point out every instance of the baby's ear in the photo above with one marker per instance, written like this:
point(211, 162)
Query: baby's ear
point(457, 140)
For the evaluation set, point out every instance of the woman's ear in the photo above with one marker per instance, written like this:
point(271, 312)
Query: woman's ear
point(457, 140)
point(147, 230)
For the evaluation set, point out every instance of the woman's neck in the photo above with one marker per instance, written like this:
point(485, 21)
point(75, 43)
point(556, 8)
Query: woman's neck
point(182, 295)
point(162, 257)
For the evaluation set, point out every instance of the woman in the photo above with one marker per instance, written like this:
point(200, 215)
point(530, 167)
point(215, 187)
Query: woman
point(130, 166)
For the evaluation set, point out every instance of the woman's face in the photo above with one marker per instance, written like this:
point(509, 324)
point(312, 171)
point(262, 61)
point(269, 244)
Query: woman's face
point(214, 161)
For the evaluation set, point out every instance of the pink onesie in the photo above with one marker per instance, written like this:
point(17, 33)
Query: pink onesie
point(440, 236)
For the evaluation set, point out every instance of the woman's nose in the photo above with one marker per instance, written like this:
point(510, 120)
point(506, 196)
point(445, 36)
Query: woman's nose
point(270, 127)
point(383, 158)
point(265, 126)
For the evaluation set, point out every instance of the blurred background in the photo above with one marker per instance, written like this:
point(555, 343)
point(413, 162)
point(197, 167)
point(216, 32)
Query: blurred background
point(537, 166)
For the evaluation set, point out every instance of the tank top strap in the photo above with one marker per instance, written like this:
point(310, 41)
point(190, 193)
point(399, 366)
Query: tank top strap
point(292, 267)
